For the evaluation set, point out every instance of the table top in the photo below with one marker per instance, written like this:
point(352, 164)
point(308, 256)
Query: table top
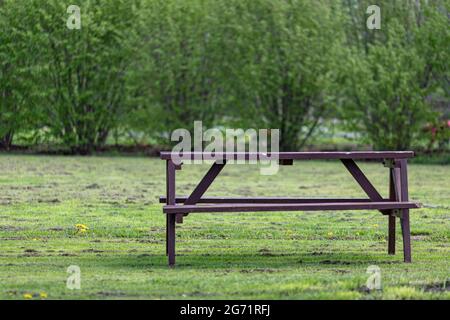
point(166, 155)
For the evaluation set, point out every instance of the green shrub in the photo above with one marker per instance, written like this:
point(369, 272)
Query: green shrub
point(177, 81)
point(280, 60)
point(389, 73)
point(17, 72)
point(82, 73)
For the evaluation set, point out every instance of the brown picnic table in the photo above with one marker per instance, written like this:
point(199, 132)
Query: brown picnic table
point(396, 205)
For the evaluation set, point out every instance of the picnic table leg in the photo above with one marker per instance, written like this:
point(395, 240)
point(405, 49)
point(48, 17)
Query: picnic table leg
point(392, 197)
point(171, 238)
point(170, 218)
point(167, 234)
point(404, 219)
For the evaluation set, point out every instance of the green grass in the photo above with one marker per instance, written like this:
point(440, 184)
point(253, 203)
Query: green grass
point(320, 255)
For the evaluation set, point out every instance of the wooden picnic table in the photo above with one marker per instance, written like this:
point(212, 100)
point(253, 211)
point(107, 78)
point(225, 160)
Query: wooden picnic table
point(396, 205)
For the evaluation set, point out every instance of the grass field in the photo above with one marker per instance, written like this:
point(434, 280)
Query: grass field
point(320, 255)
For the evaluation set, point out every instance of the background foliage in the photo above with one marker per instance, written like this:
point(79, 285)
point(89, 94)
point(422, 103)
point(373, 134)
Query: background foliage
point(140, 69)
point(390, 72)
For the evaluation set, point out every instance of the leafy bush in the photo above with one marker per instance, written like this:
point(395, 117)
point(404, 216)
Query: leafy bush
point(157, 65)
point(390, 72)
point(177, 81)
point(17, 72)
point(82, 73)
point(280, 58)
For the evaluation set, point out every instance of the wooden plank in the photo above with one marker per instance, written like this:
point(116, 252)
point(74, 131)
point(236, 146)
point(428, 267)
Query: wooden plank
point(182, 199)
point(204, 184)
point(170, 220)
point(363, 182)
point(404, 219)
point(391, 217)
point(170, 182)
point(240, 207)
point(171, 237)
point(377, 155)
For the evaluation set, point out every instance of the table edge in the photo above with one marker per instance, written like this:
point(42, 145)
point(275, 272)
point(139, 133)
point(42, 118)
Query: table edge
point(167, 155)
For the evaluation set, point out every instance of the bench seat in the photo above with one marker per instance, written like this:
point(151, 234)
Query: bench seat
point(315, 206)
point(182, 199)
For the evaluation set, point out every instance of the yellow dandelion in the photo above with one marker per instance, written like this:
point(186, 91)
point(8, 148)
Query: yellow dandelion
point(330, 234)
point(81, 228)
point(28, 296)
point(43, 295)
point(375, 225)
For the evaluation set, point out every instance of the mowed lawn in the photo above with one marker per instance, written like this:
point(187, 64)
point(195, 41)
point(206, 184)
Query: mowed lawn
point(293, 255)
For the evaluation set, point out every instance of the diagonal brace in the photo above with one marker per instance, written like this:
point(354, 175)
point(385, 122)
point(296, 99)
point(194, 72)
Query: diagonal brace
point(364, 183)
point(204, 184)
